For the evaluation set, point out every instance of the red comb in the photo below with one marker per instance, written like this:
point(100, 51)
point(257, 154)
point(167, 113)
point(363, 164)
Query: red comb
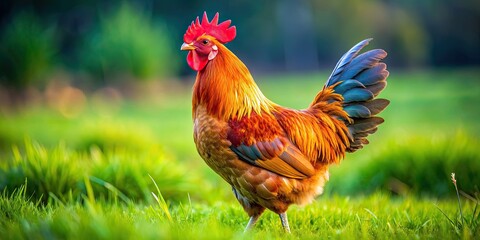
point(222, 32)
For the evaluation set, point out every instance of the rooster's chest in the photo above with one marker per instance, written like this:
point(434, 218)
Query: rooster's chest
point(210, 136)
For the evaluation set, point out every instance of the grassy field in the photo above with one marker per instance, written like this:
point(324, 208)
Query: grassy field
point(94, 173)
point(378, 216)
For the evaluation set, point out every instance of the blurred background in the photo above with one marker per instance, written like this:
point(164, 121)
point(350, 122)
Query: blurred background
point(98, 39)
point(103, 86)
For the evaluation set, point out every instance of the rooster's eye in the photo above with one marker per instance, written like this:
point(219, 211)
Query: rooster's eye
point(205, 42)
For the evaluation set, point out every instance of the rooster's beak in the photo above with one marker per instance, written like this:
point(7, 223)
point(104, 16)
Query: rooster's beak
point(187, 47)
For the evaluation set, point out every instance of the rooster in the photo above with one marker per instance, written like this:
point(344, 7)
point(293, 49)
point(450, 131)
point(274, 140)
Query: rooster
point(274, 156)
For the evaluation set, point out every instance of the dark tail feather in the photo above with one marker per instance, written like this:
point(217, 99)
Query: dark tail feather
point(344, 61)
point(359, 79)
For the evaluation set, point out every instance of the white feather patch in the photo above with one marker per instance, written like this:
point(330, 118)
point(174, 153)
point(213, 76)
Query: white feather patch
point(213, 53)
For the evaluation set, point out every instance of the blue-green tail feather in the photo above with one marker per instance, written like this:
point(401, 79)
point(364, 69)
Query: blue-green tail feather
point(359, 79)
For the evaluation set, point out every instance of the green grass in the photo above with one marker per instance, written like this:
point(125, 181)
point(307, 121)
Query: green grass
point(63, 173)
point(378, 216)
point(414, 165)
point(102, 173)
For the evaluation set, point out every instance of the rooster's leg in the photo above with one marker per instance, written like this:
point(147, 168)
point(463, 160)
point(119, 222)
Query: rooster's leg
point(253, 209)
point(284, 219)
point(253, 220)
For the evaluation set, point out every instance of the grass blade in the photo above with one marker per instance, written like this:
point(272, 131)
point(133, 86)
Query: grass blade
point(458, 198)
point(116, 192)
point(88, 186)
point(161, 201)
point(450, 220)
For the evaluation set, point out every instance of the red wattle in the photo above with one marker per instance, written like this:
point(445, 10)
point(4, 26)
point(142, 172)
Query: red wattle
point(195, 61)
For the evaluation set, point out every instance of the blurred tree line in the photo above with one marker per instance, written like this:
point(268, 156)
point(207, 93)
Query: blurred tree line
point(109, 40)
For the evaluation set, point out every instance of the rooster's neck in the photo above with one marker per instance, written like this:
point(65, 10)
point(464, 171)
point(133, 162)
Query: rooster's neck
point(226, 88)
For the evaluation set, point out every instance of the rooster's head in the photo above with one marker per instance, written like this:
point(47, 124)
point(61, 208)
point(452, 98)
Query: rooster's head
point(202, 38)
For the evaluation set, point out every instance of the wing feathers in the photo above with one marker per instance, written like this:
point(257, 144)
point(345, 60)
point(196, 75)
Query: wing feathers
point(297, 160)
point(279, 156)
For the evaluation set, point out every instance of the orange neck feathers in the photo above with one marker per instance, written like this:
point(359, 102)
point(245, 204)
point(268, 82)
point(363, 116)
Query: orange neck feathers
point(226, 88)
